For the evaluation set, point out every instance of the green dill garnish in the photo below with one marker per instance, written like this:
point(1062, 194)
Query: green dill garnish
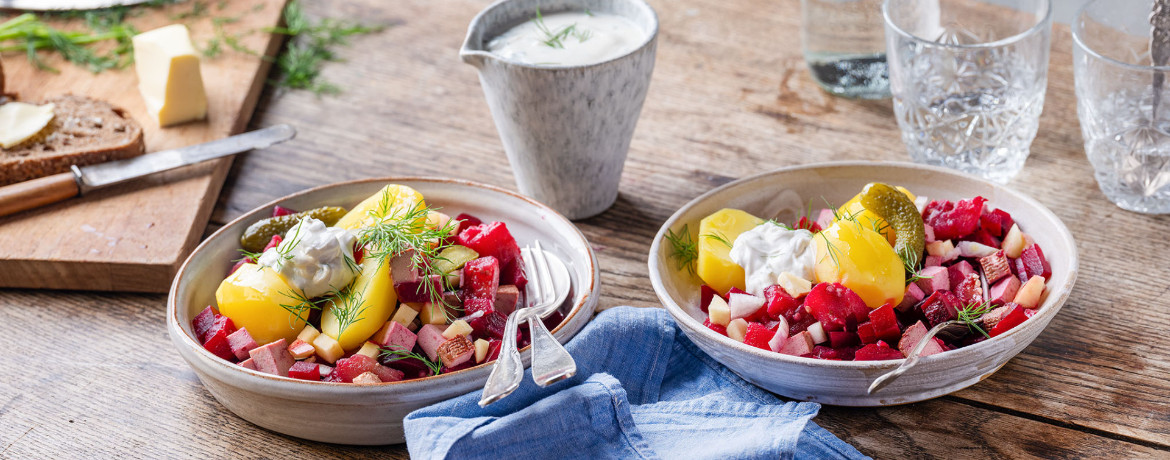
point(348, 306)
point(398, 353)
point(556, 39)
point(29, 33)
point(683, 249)
point(971, 314)
point(717, 236)
point(311, 44)
point(301, 305)
point(779, 224)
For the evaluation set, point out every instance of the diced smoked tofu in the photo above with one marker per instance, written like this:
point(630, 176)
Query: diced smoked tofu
point(457, 328)
point(430, 337)
point(912, 336)
point(273, 358)
point(387, 374)
point(327, 348)
point(506, 298)
point(798, 345)
point(1005, 291)
point(911, 298)
point(308, 334)
point(241, 343)
point(404, 316)
point(369, 349)
point(481, 350)
point(248, 363)
point(456, 351)
point(368, 377)
point(301, 349)
point(933, 279)
point(395, 336)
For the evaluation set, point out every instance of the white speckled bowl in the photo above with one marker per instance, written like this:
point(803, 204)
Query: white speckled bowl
point(363, 414)
point(845, 382)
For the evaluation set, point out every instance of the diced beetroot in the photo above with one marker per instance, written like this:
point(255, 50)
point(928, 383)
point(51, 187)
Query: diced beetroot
point(758, 336)
point(929, 233)
point(997, 222)
point(481, 278)
point(217, 338)
point(778, 303)
point(913, 335)
point(981, 236)
point(970, 291)
point(430, 337)
point(241, 343)
point(715, 327)
point(841, 339)
point(885, 323)
point(805, 320)
point(879, 351)
point(993, 317)
point(410, 367)
point(959, 272)
point(489, 326)
point(466, 220)
point(386, 374)
point(952, 222)
point(933, 279)
point(939, 307)
point(416, 291)
point(395, 336)
point(911, 298)
point(1035, 263)
point(706, 293)
point(305, 371)
point(807, 224)
point(495, 240)
point(347, 368)
point(1013, 319)
point(279, 210)
point(203, 322)
point(1004, 291)
point(479, 304)
point(995, 267)
point(1020, 269)
point(274, 242)
point(837, 307)
point(553, 320)
point(459, 367)
point(273, 358)
point(507, 297)
point(735, 290)
point(867, 333)
point(494, 349)
point(832, 354)
point(798, 344)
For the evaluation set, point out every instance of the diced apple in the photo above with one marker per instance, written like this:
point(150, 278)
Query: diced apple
point(795, 285)
point(1005, 291)
point(817, 332)
point(798, 345)
point(430, 337)
point(404, 316)
point(1029, 294)
point(737, 329)
point(308, 334)
point(457, 328)
point(781, 335)
point(328, 348)
point(975, 250)
point(481, 350)
point(432, 313)
point(744, 305)
point(1014, 242)
point(300, 349)
point(273, 358)
point(395, 336)
point(933, 279)
point(370, 349)
point(367, 378)
point(940, 248)
point(719, 312)
point(241, 343)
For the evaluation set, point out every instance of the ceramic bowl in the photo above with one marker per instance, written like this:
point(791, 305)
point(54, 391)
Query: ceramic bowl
point(363, 414)
point(787, 193)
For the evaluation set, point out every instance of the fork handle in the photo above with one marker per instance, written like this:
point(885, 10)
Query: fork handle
point(551, 363)
point(508, 370)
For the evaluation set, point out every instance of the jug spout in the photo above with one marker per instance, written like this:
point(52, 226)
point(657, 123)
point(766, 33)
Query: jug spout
point(474, 57)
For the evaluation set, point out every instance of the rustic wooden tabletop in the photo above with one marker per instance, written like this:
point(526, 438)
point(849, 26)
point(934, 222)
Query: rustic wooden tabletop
point(95, 375)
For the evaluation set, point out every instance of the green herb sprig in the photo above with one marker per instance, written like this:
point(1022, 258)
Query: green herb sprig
point(556, 39)
point(971, 314)
point(683, 249)
point(397, 353)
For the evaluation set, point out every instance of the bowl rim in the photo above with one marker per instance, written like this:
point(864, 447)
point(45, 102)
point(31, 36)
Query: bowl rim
point(1049, 308)
point(590, 294)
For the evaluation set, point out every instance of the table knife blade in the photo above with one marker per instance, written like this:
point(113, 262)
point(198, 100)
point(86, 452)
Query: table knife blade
point(61, 5)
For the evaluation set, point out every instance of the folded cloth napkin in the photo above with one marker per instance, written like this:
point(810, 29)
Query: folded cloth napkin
point(642, 390)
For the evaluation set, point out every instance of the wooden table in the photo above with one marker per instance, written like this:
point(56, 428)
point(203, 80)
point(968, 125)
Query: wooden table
point(95, 375)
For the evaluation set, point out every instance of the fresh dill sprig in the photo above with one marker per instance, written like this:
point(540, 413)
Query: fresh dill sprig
point(245, 254)
point(398, 353)
point(683, 249)
point(971, 314)
point(302, 305)
point(348, 306)
point(720, 237)
point(311, 44)
point(556, 39)
point(779, 224)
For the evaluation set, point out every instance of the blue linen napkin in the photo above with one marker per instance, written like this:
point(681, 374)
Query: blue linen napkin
point(642, 390)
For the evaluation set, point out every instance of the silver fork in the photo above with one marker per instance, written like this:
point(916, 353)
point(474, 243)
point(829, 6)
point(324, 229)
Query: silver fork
point(550, 361)
point(910, 361)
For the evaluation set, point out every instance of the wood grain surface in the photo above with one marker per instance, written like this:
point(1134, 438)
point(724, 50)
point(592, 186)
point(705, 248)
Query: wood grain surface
point(94, 374)
point(133, 237)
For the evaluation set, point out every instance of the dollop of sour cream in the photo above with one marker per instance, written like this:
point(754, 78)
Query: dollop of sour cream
point(313, 257)
point(569, 38)
point(769, 250)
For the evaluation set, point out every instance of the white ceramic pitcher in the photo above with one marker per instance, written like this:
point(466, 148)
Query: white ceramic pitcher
point(566, 129)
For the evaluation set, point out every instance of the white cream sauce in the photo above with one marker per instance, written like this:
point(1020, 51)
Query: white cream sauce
point(312, 257)
point(769, 250)
point(569, 38)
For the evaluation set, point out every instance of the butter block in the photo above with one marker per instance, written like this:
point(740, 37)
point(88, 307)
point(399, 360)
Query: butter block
point(169, 75)
point(20, 121)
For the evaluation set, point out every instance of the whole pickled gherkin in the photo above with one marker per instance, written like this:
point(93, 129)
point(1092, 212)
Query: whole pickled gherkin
point(260, 233)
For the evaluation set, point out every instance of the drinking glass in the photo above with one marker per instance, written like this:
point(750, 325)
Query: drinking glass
point(844, 47)
point(968, 80)
point(1127, 139)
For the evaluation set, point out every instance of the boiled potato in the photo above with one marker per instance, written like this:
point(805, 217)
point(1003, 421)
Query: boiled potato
point(715, 267)
point(257, 298)
point(370, 302)
point(392, 200)
point(863, 260)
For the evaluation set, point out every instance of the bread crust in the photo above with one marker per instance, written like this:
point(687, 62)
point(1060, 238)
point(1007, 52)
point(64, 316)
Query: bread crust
point(84, 131)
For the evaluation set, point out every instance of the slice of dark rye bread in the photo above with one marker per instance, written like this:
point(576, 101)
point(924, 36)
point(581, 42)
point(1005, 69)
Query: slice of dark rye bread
point(84, 131)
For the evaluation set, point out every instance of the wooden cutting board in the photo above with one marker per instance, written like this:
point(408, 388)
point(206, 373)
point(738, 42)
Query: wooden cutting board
point(133, 237)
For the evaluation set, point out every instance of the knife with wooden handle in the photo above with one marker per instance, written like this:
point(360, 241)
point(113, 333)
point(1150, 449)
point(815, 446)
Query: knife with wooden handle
point(84, 179)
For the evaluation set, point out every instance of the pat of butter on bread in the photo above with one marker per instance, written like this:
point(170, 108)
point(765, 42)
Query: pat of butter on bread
point(20, 121)
point(169, 75)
